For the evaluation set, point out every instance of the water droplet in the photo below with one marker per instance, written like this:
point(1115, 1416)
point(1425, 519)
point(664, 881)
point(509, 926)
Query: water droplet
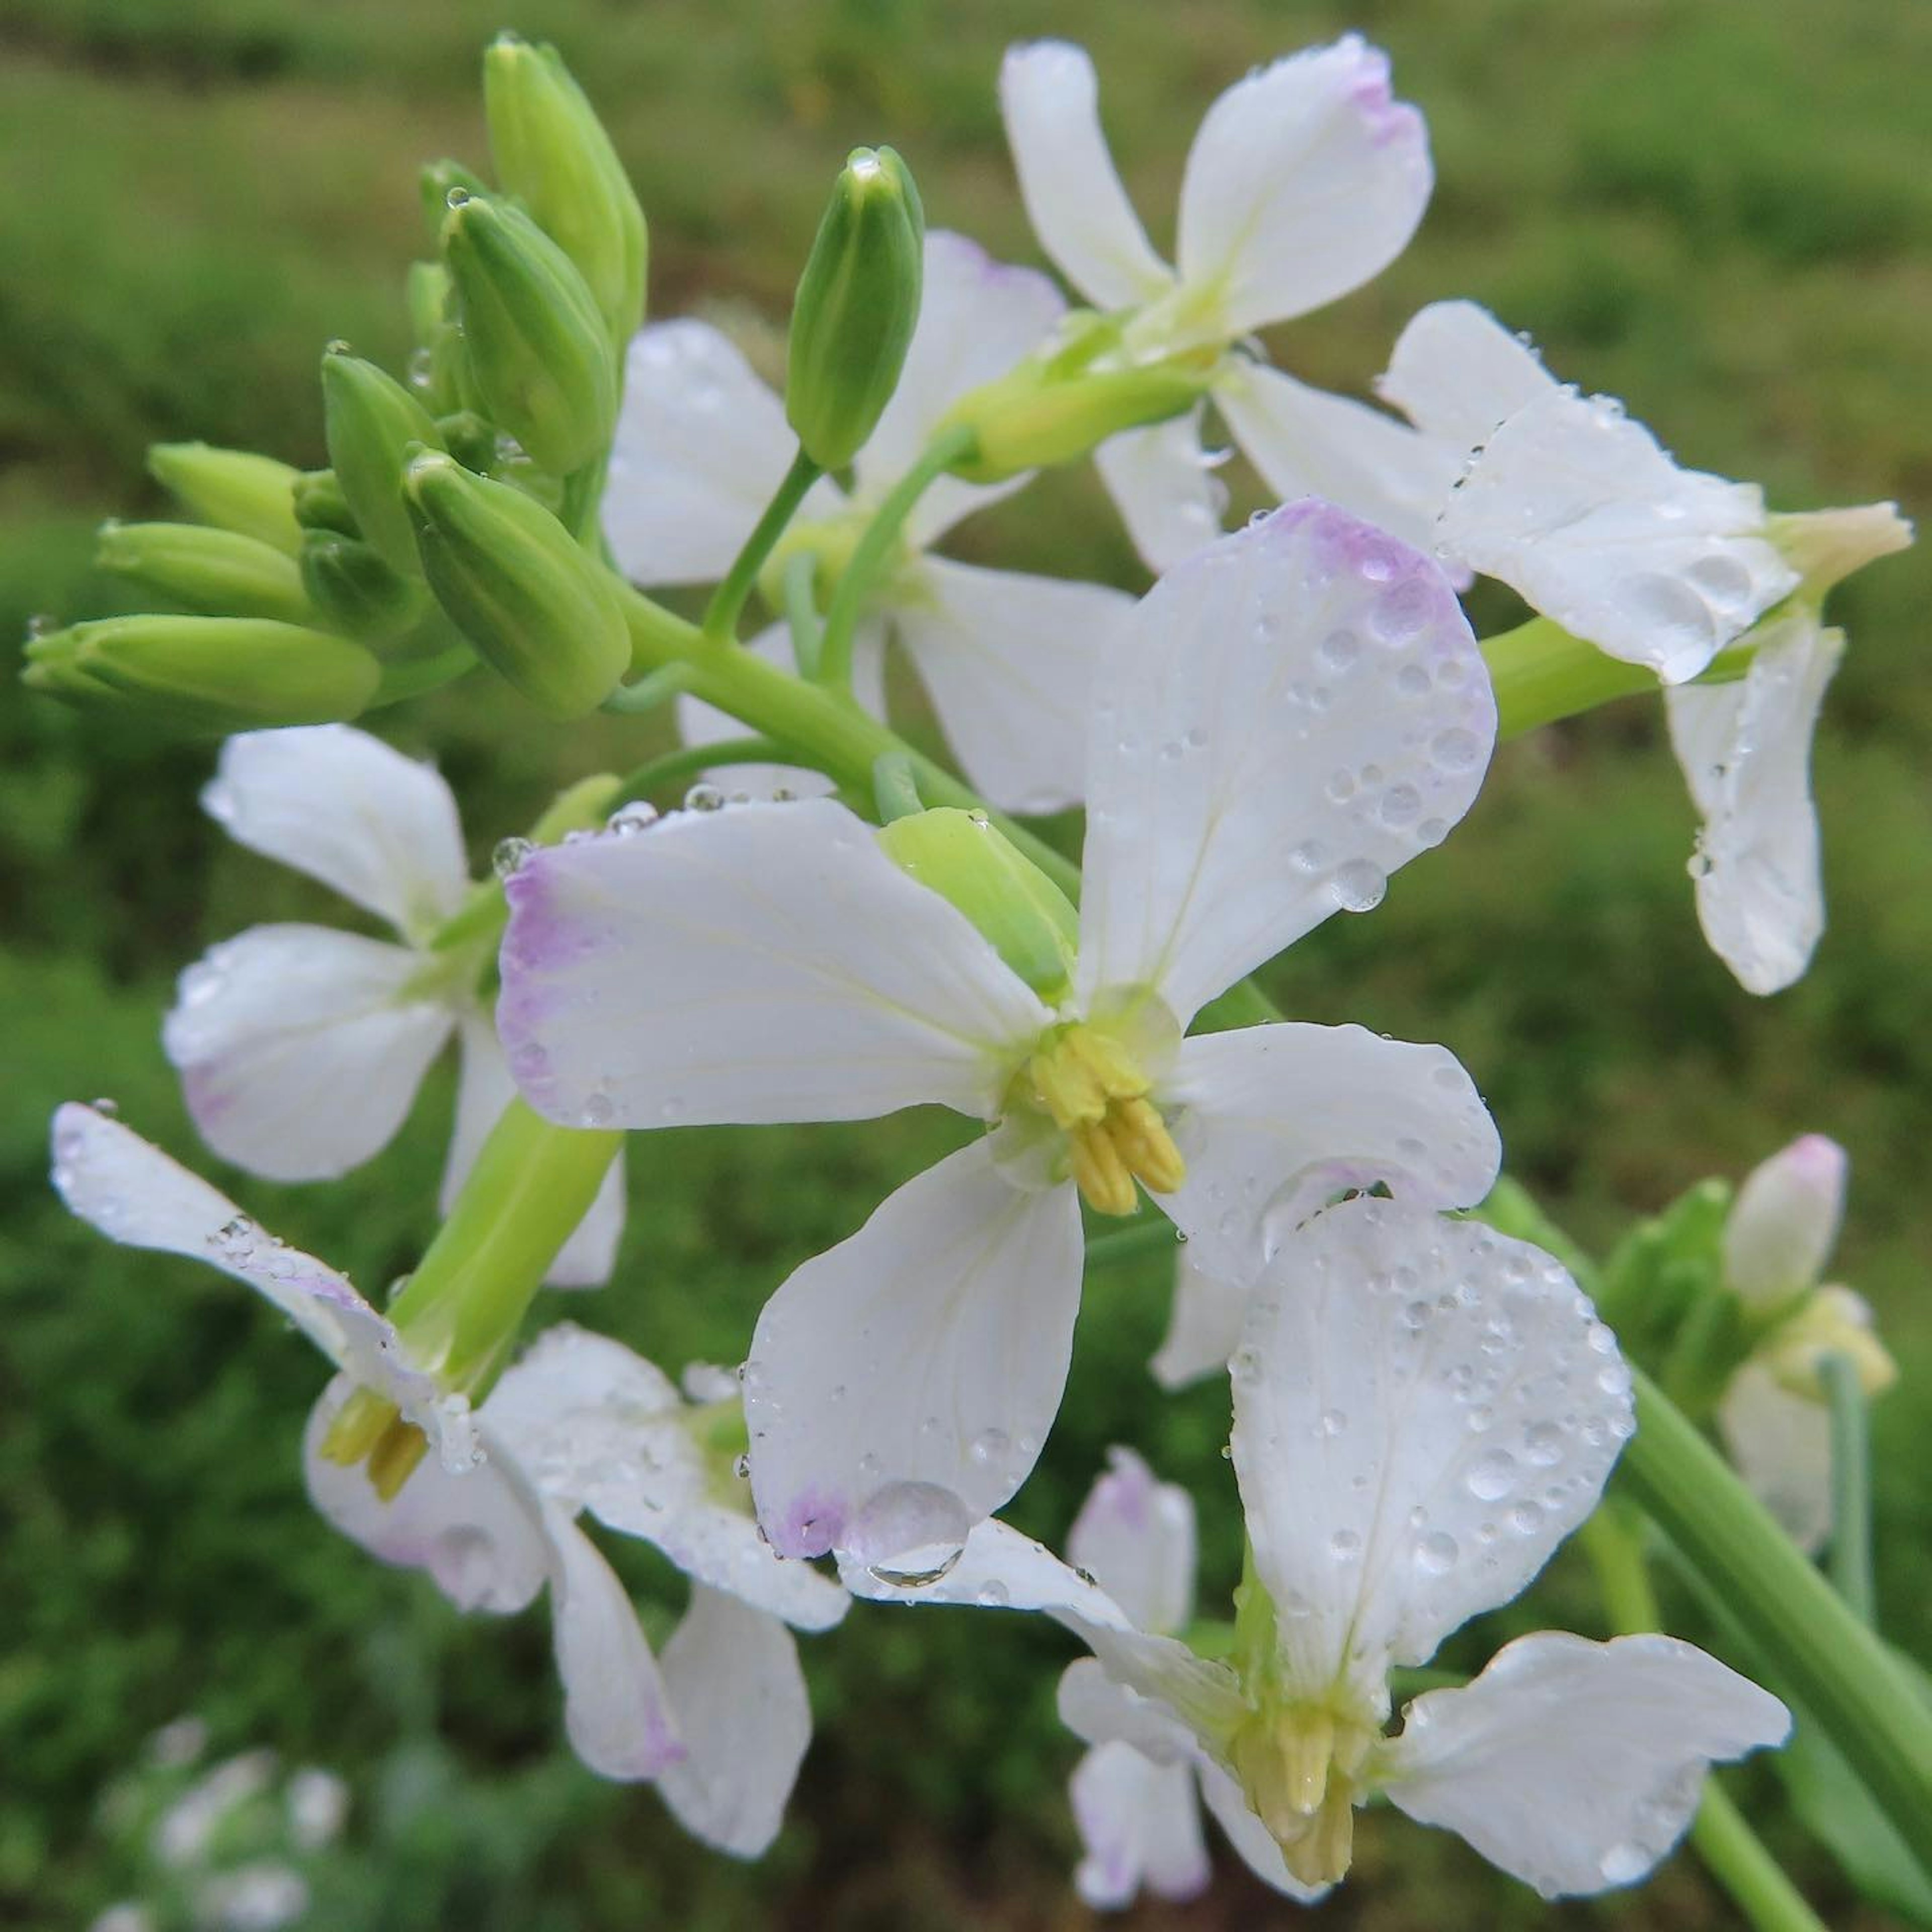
point(1339, 649)
point(1412, 680)
point(1455, 750)
point(1358, 885)
point(742, 1467)
point(510, 856)
point(1400, 804)
point(993, 1595)
point(108, 1109)
point(1492, 1476)
point(1344, 1545)
point(1542, 1444)
point(1624, 1863)
point(1310, 855)
point(1436, 1553)
point(1333, 1422)
point(910, 1533)
point(1340, 788)
point(1526, 1518)
point(989, 1447)
point(704, 798)
point(234, 1241)
point(638, 815)
point(597, 1111)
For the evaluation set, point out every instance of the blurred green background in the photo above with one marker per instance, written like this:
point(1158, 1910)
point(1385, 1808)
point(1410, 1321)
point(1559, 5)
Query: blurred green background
point(1723, 214)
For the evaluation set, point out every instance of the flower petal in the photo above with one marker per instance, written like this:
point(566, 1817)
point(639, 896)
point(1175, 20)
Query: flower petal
point(1307, 179)
point(1573, 1765)
point(346, 808)
point(1307, 442)
point(997, 1569)
point(701, 445)
point(1423, 1410)
point(900, 1385)
point(300, 1047)
point(1010, 662)
point(1746, 752)
point(1163, 483)
point(1050, 98)
point(763, 963)
point(1576, 507)
point(1288, 718)
point(732, 1676)
point(1203, 1326)
point(1150, 1692)
point(484, 1089)
point(571, 1406)
point(1784, 1223)
point(1134, 1536)
point(1139, 1824)
point(1277, 1120)
point(1455, 372)
point(1781, 1445)
point(1250, 1838)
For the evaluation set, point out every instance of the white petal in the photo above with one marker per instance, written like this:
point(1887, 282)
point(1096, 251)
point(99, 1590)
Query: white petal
point(701, 445)
point(484, 1089)
point(135, 1194)
point(1139, 1824)
point(763, 963)
point(479, 1534)
point(1423, 1410)
point(1784, 1223)
point(1134, 1536)
point(616, 1710)
point(344, 807)
point(1203, 1326)
point(998, 1569)
point(1250, 1838)
point(1307, 179)
point(1576, 1765)
point(300, 1047)
point(1010, 662)
point(1279, 1119)
point(1163, 483)
point(1151, 1692)
point(1456, 373)
point(1307, 442)
point(900, 1385)
point(570, 1404)
point(1781, 1444)
point(1050, 98)
point(734, 1681)
point(1575, 506)
point(977, 318)
point(1288, 717)
point(1745, 748)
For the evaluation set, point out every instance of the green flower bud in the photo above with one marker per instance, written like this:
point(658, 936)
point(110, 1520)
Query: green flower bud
point(321, 505)
point(857, 301)
point(552, 153)
point(355, 592)
point(234, 489)
point(215, 674)
point(372, 423)
point(437, 368)
point(965, 859)
point(469, 439)
point(440, 180)
point(533, 336)
point(195, 567)
point(540, 610)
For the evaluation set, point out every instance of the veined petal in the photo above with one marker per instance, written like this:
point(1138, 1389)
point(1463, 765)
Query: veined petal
point(300, 1047)
point(1134, 1536)
point(900, 1384)
point(1288, 718)
point(1784, 1223)
point(977, 318)
point(1573, 1765)
point(701, 445)
point(998, 1569)
point(135, 1194)
point(479, 1534)
point(1307, 442)
point(346, 808)
point(763, 963)
point(1010, 662)
point(1050, 99)
point(1203, 1326)
point(1781, 1445)
point(732, 1676)
point(1456, 373)
point(1250, 1838)
point(1576, 507)
point(1163, 483)
point(1745, 748)
point(1307, 179)
point(1140, 1824)
point(484, 1089)
point(1277, 1119)
point(1423, 1410)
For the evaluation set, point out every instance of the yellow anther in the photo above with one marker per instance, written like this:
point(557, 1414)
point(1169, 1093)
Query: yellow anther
point(1321, 1855)
point(1145, 1146)
point(1099, 1172)
point(393, 1460)
point(1833, 1321)
point(1091, 1088)
point(1298, 1765)
point(367, 1428)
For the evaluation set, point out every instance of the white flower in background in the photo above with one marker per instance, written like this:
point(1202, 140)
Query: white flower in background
point(300, 1047)
point(1289, 717)
point(580, 1424)
point(1423, 1410)
point(1307, 179)
point(1006, 658)
point(1779, 1233)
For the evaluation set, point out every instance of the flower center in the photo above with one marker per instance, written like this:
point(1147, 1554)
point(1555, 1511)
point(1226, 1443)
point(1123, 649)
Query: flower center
point(1093, 1090)
point(368, 1427)
point(1299, 1765)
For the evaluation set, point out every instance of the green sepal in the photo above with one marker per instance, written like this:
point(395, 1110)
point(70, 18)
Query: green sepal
point(355, 592)
point(200, 567)
point(321, 505)
point(468, 438)
point(1663, 1291)
point(372, 423)
point(234, 489)
point(438, 181)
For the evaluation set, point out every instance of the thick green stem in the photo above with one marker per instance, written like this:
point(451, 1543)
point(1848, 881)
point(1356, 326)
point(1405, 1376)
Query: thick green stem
point(728, 601)
point(801, 610)
point(894, 788)
point(1851, 1483)
point(1541, 673)
point(648, 692)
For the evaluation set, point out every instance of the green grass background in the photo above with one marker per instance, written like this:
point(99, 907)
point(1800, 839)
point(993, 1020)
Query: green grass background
point(1723, 214)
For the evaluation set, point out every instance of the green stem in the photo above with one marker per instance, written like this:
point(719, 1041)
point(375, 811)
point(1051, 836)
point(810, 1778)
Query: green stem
point(728, 601)
point(875, 549)
point(410, 677)
point(1152, 1234)
point(801, 610)
point(1541, 673)
point(689, 761)
point(648, 692)
point(894, 787)
point(1851, 1557)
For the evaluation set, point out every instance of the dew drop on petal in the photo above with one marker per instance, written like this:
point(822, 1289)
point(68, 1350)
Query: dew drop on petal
point(704, 798)
point(507, 859)
point(1436, 1553)
point(910, 1533)
point(1492, 1476)
point(1358, 885)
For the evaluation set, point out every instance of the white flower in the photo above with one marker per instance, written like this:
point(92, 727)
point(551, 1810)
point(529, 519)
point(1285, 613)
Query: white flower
point(1307, 179)
point(300, 1047)
point(1291, 716)
point(1423, 1410)
point(1007, 659)
point(720, 1721)
point(1778, 1238)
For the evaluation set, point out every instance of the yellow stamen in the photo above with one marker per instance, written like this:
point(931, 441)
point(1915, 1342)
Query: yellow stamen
point(367, 1428)
point(1321, 1855)
point(393, 1460)
point(1099, 1172)
point(1091, 1088)
point(1298, 1765)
